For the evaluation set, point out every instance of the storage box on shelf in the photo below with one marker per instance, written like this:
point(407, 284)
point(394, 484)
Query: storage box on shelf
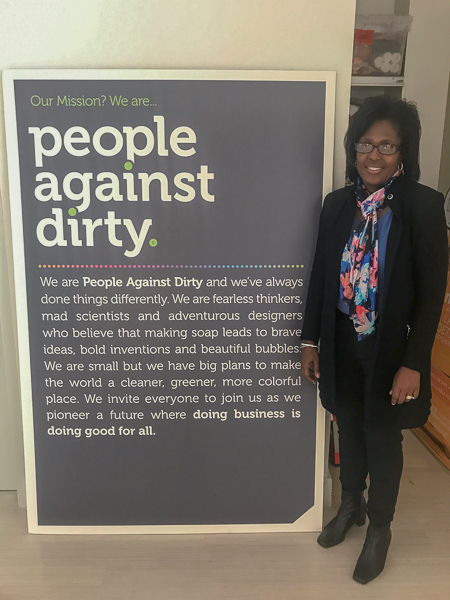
point(379, 45)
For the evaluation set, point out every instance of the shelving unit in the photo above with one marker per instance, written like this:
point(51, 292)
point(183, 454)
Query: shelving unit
point(376, 81)
point(362, 86)
point(362, 90)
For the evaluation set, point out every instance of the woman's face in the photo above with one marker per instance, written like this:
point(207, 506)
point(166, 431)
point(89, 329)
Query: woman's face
point(375, 168)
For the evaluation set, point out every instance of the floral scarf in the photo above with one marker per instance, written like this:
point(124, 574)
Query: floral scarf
point(359, 264)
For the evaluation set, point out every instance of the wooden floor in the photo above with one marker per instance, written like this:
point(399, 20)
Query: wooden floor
point(237, 567)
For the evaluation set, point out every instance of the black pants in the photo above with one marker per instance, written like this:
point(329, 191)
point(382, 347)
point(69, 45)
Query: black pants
point(365, 449)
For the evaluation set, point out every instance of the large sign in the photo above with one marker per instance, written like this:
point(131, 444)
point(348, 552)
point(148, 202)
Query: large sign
point(164, 226)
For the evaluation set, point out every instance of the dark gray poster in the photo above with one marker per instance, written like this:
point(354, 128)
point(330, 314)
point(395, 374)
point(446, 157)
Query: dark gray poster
point(164, 233)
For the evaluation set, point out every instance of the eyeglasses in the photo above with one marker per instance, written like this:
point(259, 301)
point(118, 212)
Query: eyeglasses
point(366, 148)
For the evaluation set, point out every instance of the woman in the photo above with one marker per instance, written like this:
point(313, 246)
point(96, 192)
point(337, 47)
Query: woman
point(374, 302)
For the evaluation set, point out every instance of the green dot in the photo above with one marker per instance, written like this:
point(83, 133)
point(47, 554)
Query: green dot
point(128, 165)
point(153, 242)
point(72, 212)
point(302, 266)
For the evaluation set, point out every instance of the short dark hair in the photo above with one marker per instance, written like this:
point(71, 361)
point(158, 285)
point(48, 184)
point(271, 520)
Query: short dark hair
point(403, 115)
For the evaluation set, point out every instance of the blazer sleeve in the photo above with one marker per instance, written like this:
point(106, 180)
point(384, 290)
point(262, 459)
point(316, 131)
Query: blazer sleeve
point(430, 266)
point(314, 301)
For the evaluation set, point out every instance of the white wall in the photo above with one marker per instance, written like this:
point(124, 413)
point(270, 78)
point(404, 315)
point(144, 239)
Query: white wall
point(165, 34)
point(444, 171)
point(426, 76)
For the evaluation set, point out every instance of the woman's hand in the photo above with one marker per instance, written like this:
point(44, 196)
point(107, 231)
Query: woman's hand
point(406, 385)
point(310, 363)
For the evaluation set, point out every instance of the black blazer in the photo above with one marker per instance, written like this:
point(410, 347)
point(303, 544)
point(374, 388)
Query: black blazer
point(411, 303)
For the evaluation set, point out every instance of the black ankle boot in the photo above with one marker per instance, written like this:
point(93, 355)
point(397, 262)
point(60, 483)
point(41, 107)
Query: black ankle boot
point(352, 511)
point(373, 556)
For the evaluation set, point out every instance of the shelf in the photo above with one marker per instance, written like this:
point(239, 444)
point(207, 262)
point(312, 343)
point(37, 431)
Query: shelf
point(361, 81)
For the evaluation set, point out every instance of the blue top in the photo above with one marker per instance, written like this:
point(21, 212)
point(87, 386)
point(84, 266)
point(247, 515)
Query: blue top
point(384, 225)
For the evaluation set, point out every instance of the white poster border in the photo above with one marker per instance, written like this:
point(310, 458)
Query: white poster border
point(312, 519)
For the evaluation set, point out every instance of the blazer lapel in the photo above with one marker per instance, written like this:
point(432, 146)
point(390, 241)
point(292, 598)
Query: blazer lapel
point(341, 233)
point(344, 221)
point(395, 233)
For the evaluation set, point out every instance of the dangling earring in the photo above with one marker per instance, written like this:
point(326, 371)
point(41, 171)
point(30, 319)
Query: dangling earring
point(400, 167)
